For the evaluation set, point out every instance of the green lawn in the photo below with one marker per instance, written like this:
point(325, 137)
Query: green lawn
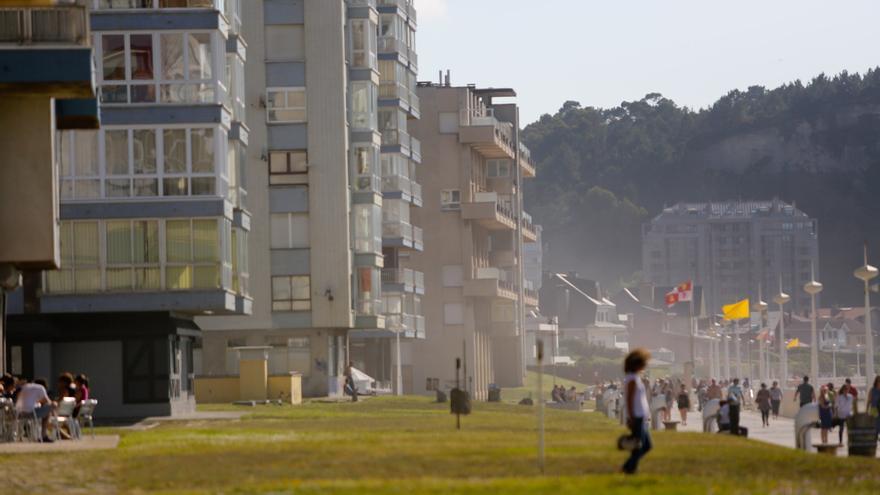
point(409, 445)
point(531, 385)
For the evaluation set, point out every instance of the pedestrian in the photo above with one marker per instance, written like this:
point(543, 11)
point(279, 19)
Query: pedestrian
point(763, 402)
point(714, 391)
point(669, 396)
point(843, 410)
point(873, 403)
point(855, 395)
point(826, 416)
point(775, 399)
point(735, 401)
point(684, 404)
point(636, 407)
point(805, 393)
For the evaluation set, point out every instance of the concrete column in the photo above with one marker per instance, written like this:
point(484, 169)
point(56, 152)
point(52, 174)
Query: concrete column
point(253, 373)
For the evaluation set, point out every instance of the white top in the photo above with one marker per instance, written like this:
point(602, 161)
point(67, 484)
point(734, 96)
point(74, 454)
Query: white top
point(29, 396)
point(640, 401)
point(844, 404)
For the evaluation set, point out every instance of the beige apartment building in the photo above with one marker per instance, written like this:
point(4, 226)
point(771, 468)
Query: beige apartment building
point(475, 228)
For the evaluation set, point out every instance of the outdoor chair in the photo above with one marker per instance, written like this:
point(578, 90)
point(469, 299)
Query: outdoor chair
point(28, 426)
point(64, 416)
point(7, 420)
point(86, 416)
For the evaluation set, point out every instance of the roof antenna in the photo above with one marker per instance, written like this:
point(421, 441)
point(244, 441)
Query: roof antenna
point(447, 78)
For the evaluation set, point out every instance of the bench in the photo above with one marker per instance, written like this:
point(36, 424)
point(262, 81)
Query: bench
point(826, 448)
point(671, 425)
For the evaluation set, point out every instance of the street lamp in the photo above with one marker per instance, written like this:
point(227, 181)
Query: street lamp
point(834, 359)
point(781, 299)
point(813, 288)
point(865, 273)
point(763, 368)
point(858, 360)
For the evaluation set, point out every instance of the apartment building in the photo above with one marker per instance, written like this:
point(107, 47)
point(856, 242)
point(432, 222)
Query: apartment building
point(475, 228)
point(154, 214)
point(730, 248)
point(46, 87)
point(330, 91)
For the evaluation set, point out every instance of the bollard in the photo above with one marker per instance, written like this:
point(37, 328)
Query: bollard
point(804, 421)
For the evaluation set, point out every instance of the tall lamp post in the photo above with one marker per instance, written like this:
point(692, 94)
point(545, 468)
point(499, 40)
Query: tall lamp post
point(866, 273)
point(781, 299)
point(858, 360)
point(763, 369)
point(813, 288)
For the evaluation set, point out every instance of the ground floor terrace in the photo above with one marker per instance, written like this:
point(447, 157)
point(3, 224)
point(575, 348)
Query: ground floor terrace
point(410, 445)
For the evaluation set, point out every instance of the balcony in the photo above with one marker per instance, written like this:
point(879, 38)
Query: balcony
point(394, 93)
point(528, 229)
point(401, 235)
point(403, 280)
point(491, 283)
point(416, 193)
point(414, 105)
point(489, 136)
point(525, 161)
point(486, 210)
point(416, 150)
point(391, 48)
point(530, 298)
point(396, 141)
point(46, 50)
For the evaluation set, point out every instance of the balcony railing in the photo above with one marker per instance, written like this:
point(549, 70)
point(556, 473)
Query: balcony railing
point(61, 25)
point(390, 44)
point(416, 149)
point(397, 230)
point(485, 117)
point(393, 90)
point(416, 192)
point(404, 276)
point(396, 183)
point(414, 102)
point(418, 237)
point(411, 12)
point(161, 4)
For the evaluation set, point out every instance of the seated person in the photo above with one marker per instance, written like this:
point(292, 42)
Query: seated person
point(33, 399)
point(81, 382)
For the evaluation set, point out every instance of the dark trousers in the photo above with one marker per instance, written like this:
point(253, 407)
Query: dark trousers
point(765, 416)
point(734, 419)
point(640, 430)
point(774, 404)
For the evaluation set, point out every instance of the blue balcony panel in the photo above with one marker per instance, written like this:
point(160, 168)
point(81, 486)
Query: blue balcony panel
point(60, 73)
point(236, 44)
point(162, 208)
point(79, 113)
point(285, 74)
point(288, 136)
point(157, 20)
point(166, 114)
point(290, 261)
point(240, 132)
point(284, 12)
point(195, 302)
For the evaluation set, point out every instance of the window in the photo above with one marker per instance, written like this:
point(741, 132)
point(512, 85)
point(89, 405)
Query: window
point(365, 168)
point(240, 275)
point(367, 225)
point(80, 269)
point(283, 164)
point(453, 314)
point(368, 285)
point(192, 250)
point(498, 168)
point(363, 105)
point(363, 46)
point(133, 255)
point(289, 230)
point(285, 42)
point(291, 293)
point(450, 199)
point(286, 105)
point(129, 68)
point(453, 276)
point(79, 165)
point(289, 355)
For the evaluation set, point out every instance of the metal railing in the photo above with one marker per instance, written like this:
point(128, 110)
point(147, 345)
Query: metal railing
point(395, 137)
point(482, 116)
point(404, 276)
point(390, 44)
point(418, 236)
point(414, 102)
point(62, 24)
point(393, 89)
point(395, 183)
point(416, 149)
point(397, 230)
point(416, 192)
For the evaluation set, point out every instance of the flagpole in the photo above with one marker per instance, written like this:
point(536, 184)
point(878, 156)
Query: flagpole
point(738, 352)
point(693, 331)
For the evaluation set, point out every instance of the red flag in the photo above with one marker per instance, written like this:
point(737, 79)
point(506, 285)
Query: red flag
point(682, 293)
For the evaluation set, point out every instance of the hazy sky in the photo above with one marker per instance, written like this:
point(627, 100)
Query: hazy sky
point(602, 52)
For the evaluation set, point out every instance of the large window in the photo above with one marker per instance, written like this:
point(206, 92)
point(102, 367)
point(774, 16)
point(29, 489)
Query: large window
point(287, 166)
point(365, 167)
point(80, 249)
point(145, 370)
point(367, 223)
point(146, 255)
point(157, 68)
point(363, 43)
point(291, 293)
point(193, 254)
point(289, 230)
point(363, 105)
point(286, 105)
point(139, 163)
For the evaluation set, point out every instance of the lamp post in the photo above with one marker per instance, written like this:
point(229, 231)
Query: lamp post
point(726, 354)
point(858, 360)
point(834, 359)
point(865, 273)
point(813, 288)
point(763, 368)
point(781, 299)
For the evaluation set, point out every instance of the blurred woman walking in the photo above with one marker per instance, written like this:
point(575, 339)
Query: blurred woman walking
point(637, 411)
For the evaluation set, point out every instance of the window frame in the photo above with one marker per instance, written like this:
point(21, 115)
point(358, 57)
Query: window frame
point(277, 302)
point(285, 90)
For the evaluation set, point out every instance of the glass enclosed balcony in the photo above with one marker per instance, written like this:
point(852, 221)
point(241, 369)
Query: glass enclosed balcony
point(55, 25)
point(403, 280)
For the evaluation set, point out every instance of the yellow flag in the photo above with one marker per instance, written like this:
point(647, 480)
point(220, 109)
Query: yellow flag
point(793, 343)
point(737, 311)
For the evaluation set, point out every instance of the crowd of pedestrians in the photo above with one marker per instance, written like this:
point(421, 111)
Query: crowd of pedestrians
point(32, 397)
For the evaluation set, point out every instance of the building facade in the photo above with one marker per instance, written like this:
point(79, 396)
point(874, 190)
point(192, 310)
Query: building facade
point(730, 248)
point(475, 229)
point(330, 91)
point(154, 214)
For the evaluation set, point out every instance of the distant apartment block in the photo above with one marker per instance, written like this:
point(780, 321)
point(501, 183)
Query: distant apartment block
point(330, 94)
point(730, 248)
point(475, 230)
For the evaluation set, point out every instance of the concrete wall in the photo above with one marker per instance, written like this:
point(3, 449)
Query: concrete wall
point(225, 389)
point(287, 388)
point(28, 182)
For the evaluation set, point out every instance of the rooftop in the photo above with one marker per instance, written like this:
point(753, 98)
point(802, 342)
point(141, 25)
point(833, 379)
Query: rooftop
point(733, 209)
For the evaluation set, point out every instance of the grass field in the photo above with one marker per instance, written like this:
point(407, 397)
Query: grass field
point(409, 445)
point(531, 384)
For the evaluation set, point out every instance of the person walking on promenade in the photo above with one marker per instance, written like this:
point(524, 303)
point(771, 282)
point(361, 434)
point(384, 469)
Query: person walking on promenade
point(843, 406)
point(775, 399)
point(637, 408)
point(763, 402)
point(805, 393)
point(874, 403)
point(826, 415)
point(735, 401)
point(714, 391)
point(684, 404)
